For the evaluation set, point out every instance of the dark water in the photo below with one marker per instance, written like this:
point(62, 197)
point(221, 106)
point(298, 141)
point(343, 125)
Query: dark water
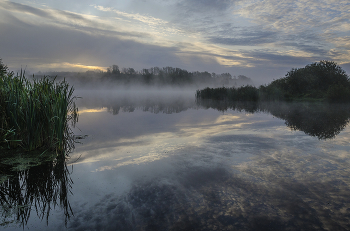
point(155, 161)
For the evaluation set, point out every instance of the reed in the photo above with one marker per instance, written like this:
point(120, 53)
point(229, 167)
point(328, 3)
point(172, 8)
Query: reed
point(36, 113)
point(244, 93)
point(33, 183)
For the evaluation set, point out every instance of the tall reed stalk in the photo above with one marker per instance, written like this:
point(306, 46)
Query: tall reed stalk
point(36, 113)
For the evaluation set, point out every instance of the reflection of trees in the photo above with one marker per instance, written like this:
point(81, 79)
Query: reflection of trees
point(153, 106)
point(221, 105)
point(322, 120)
point(32, 182)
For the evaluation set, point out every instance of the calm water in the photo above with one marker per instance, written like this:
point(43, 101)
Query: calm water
point(156, 161)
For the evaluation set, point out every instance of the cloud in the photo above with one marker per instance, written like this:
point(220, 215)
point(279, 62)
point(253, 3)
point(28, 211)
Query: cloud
point(76, 40)
point(300, 18)
point(16, 7)
point(205, 6)
point(294, 16)
point(248, 37)
point(142, 18)
point(59, 18)
point(202, 16)
point(216, 36)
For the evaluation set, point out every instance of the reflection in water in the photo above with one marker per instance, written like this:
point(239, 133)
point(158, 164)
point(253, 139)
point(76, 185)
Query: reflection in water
point(322, 120)
point(172, 101)
point(206, 170)
point(175, 106)
point(267, 194)
point(33, 182)
point(37, 180)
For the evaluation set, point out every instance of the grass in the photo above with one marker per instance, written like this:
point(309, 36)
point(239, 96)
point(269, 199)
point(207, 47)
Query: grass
point(36, 113)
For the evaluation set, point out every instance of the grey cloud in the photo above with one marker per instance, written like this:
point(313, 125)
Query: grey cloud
point(72, 17)
point(246, 38)
point(202, 16)
point(264, 57)
point(91, 46)
point(94, 43)
point(346, 67)
point(205, 6)
point(315, 49)
point(49, 44)
point(12, 6)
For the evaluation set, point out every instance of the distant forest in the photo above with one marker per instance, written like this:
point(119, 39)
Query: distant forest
point(154, 76)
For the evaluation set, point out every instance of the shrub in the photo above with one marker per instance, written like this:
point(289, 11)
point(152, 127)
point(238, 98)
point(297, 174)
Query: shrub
point(338, 93)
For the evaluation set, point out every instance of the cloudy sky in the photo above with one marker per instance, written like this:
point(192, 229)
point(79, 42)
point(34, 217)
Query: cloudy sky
point(262, 39)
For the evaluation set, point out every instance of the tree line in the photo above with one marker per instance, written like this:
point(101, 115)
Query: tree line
point(155, 76)
point(323, 80)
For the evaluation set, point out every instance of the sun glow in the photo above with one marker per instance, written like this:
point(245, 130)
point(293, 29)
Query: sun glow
point(70, 66)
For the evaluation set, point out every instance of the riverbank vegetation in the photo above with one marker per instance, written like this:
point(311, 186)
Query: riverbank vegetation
point(320, 81)
point(35, 113)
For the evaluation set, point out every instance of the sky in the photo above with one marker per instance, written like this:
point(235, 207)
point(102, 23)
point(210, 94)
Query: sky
point(262, 39)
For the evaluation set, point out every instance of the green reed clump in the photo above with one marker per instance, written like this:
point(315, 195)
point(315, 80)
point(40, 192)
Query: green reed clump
point(35, 113)
point(244, 93)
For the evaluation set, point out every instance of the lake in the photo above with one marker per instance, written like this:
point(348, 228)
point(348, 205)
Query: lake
point(159, 160)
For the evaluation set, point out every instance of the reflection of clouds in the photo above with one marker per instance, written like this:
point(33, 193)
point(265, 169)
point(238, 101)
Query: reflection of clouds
point(121, 153)
point(319, 179)
point(149, 138)
point(155, 143)
point(224, 172)
point(204, 198)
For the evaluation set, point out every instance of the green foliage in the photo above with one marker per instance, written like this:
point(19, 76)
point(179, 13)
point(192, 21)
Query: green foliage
point(314, 80)
point(338, 93)
point(245, 93)
point(35, 113)
point(324, 80)
point(272, 92)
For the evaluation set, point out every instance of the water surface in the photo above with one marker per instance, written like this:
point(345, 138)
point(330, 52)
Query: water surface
point(155, 161)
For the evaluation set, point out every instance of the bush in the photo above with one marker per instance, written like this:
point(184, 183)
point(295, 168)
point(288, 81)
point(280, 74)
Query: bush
point(315, 78)
point(338, 93)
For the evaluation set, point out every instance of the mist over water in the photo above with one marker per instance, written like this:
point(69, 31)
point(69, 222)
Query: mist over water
point(158, 159)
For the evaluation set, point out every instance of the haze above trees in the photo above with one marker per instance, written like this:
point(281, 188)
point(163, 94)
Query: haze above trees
point(155, 76)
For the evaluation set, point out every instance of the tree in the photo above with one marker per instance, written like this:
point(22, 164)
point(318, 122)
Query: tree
point(315, 77)
point(147, 76)
point(115, 70)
